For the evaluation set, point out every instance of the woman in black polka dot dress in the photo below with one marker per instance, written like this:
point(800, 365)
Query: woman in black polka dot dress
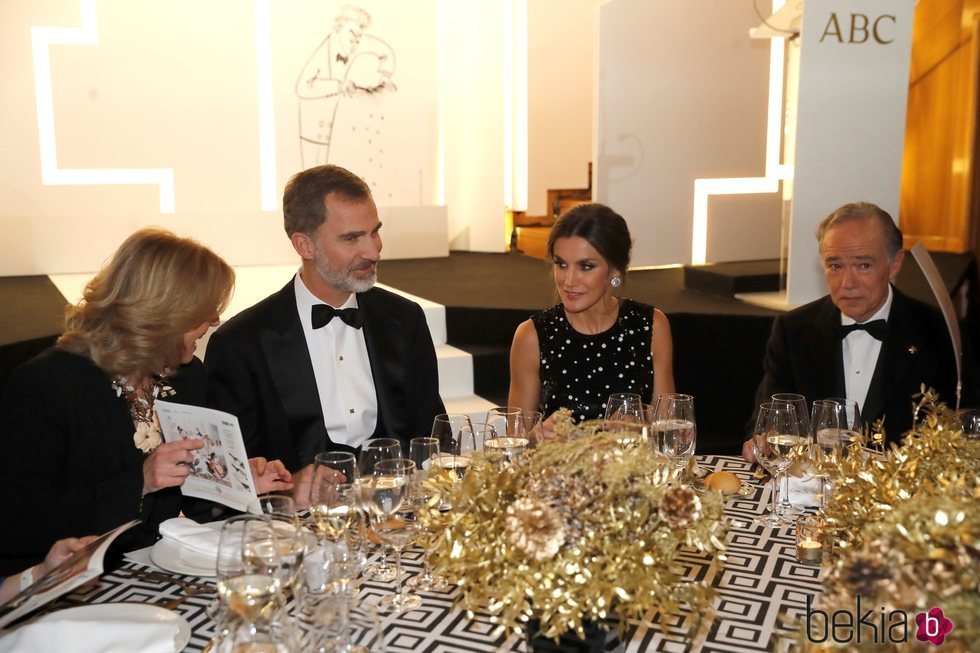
point(593, 343)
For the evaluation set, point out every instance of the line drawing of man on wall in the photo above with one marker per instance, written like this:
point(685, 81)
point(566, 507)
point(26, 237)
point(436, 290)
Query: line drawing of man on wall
point(347, 63)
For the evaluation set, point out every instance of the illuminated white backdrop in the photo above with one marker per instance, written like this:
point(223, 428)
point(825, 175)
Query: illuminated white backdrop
point(184, 97)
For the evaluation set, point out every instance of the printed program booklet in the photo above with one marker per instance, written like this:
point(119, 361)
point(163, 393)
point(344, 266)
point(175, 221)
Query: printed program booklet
point(219, 471)
point(81, 567)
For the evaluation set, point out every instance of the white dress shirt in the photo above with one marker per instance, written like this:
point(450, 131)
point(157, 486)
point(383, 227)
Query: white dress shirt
point(860, 352)
point(342, 370)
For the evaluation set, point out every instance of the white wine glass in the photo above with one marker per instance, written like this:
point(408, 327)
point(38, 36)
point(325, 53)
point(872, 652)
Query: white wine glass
point(457, 441)
point(247, 567)
point(676, 428)
point(422, 451)
point(798, 402)
point(851, 424)
point(826, 434)
point(775, 437)
point(624, 413)
point(291, 536)
point(393, 518)
point(372, 452)
point(332, 499)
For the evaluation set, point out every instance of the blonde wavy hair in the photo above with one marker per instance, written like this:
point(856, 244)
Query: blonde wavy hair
point(135, 311)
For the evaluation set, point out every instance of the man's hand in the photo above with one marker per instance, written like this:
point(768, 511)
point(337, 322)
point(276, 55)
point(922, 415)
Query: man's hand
point(302, 483)
point(748, 451)
point(270, 476)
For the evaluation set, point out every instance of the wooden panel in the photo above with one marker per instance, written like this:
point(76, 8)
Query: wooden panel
point(937, 168)
point(935, 33)
point(533, 241)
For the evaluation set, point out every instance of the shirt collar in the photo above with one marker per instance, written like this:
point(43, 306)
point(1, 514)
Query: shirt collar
point(881, 314)
point(306, 300)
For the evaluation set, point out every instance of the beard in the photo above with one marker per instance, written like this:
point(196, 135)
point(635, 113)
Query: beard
point(344, 279)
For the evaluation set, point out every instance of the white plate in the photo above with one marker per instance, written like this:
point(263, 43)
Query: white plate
point(123, 612)
point(165, 554)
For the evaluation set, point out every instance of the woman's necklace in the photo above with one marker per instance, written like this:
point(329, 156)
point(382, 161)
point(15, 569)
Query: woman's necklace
point(148, 435)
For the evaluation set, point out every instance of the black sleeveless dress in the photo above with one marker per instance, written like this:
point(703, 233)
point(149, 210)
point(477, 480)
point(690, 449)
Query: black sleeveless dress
point(580, 371)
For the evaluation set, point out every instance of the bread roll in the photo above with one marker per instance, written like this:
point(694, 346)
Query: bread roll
point(724, 482)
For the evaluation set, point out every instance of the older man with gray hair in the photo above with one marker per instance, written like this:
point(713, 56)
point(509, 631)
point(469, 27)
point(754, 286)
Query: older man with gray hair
point(866, 340)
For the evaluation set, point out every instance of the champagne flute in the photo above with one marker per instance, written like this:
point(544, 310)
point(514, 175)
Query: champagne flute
point(798, 402)
point(421, 452)
point(774, 437)
point(393, 519)
point(675, 427)
point(372, 452)
point(332, 494)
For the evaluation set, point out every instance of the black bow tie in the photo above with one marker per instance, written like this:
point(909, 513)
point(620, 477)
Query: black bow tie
point(322, 314)
point(877, 329)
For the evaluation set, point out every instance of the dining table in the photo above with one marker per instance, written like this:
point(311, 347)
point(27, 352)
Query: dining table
point(761, 594)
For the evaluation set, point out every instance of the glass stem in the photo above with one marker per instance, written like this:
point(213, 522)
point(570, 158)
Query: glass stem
point(399, 599)
point(784, 504)
point(775, 488)
point(384, 556)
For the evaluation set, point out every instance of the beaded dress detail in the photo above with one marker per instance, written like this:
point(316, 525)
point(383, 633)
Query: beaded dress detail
point(580, 371)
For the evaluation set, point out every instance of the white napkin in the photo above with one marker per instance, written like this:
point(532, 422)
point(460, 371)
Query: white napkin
point(83, 636)
point(198, 542)
point(804, 493)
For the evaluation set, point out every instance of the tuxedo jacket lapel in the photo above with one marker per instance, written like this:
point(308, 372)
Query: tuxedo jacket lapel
point(287, 355)
point(893, 360)
point(383, 338)
point(822, 345)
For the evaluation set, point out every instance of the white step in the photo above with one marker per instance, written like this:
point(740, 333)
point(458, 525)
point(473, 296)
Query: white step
point(474, 406)
point(455, 372)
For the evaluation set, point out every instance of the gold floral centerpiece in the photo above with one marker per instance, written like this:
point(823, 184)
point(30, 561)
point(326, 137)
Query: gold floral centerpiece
point(573, 532)
point(909, 521)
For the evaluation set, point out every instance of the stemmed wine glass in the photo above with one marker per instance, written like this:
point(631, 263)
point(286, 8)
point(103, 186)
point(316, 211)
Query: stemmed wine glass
point(323, 599)
point(675, 427)
point(624, 413)
point(798, 402)
point(291, 537)
point(776, 439)
point(332, 500)
point(457, 441)
point(851, 425)
point(392, 509)
point(826, 434)
point(372, 452)
point(506, 436)
point(247, 567)
point(422, 451)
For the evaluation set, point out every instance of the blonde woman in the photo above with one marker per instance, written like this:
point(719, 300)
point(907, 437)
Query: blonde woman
point(80, 445)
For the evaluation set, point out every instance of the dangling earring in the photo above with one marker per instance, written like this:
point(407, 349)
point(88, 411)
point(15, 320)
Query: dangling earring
point(615, 282)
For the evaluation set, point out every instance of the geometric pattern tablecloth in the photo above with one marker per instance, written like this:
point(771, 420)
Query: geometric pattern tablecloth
point(761, 590)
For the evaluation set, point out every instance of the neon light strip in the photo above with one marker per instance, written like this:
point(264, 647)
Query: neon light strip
point(267, 126)
point(441, 36)
point(51, 174)
point(520, 107)
point(703, 188)
point(508, 98)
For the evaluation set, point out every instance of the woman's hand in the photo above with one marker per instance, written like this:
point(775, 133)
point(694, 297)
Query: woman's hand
point(546, 431)
point(63, 549)
point(270, 475)
point(748, 451)
point(169, 464)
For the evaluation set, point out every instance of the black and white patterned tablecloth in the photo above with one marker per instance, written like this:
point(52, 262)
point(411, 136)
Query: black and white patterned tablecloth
point(761, 589)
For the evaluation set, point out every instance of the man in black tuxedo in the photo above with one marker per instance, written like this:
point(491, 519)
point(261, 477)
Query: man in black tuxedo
point(329, 361)
point(866, 341)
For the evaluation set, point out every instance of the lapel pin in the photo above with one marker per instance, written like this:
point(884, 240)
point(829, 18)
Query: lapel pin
point(913, 350)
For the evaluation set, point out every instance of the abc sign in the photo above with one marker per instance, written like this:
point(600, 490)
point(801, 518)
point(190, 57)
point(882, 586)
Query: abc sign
point(858, 28)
